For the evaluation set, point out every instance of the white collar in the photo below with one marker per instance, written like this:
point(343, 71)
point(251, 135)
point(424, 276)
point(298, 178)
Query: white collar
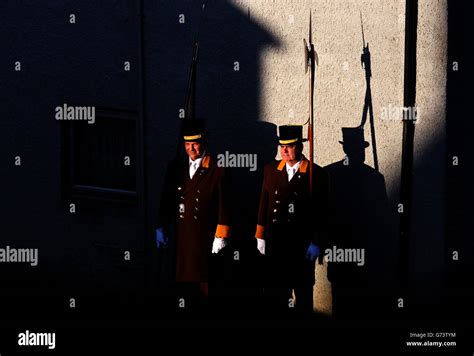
point(197, 160)
point(296, 166)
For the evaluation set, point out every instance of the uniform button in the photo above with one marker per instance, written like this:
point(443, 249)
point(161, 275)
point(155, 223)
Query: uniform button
point(278, 202)
point(295, 193)
point(181, 216)
point(182, 197)
point(276, 191)
point(199, 192)
point(197, 200)
point(179, 188)
point(274, 220)
point(274, 210)
point(195, 217)
point(299, 176)
point(197, 209)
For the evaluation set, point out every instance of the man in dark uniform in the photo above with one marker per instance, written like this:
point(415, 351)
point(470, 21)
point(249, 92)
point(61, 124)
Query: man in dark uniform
point(195, 204)
point(292, 222)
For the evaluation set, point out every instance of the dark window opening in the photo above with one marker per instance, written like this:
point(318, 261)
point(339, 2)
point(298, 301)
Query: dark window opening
point(99, 159)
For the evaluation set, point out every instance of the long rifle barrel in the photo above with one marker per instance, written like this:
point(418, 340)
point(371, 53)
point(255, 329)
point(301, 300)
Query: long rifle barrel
point(190, 99)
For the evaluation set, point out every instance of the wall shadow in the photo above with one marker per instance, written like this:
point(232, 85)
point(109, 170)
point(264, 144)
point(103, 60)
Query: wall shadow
point(365, 60)
point(360, 223)
point(460, 193)
point(61, 62)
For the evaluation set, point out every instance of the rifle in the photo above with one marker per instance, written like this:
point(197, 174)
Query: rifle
point(311, 60)
point(190, 99)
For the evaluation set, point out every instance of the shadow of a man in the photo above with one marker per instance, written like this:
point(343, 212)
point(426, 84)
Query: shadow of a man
point(359, 211)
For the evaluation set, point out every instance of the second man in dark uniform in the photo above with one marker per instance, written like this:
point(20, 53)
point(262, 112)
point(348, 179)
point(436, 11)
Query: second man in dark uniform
point(292, 222)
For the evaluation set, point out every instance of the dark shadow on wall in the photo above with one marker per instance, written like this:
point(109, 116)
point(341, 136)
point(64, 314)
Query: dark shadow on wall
point(227, 97)
point(362, 254)
point(366, 63)
point(368, 109)
point(61, 62)
point(82, 254)
point(363, 217)
point(439, 285)
point(459, 162)
point(360, 257)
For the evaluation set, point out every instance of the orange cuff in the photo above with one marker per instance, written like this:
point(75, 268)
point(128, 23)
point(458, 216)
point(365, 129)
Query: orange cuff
point(259, 232)
point(223, 231)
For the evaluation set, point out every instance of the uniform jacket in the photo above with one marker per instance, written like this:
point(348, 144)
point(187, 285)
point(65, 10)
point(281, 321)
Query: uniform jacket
point(289, 219)
point(197, 210)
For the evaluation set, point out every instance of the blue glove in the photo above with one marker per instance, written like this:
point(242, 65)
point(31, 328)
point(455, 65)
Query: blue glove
point(161, 239)
point(313, 252)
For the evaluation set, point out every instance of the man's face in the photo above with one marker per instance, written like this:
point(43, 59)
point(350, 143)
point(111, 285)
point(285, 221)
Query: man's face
point(193, 149)
point(290, 153)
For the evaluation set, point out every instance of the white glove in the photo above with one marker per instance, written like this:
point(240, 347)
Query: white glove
point(261, 246)
point(218, 244)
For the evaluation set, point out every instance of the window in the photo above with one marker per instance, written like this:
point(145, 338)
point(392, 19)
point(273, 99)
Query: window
point(99, 158)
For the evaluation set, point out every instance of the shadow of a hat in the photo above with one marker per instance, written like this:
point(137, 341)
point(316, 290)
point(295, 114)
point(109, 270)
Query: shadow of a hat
point(353, 137)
